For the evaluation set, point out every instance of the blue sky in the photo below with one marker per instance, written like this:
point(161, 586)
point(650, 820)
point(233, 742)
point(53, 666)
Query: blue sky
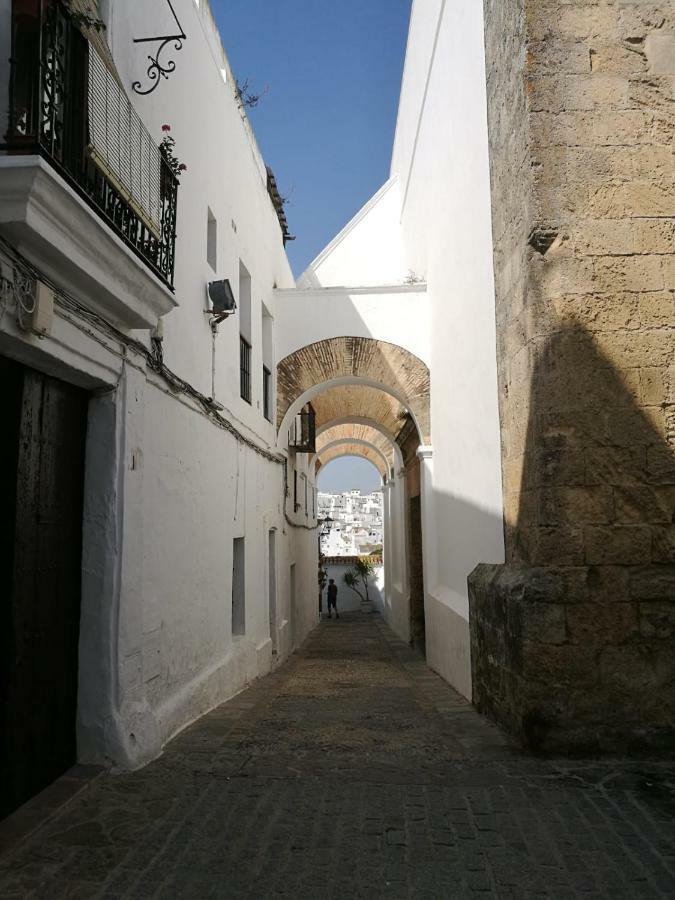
point(326, 123)
point(349, 473)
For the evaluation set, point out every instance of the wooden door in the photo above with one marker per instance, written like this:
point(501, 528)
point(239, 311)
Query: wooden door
point(41, 491)
point(417, 626)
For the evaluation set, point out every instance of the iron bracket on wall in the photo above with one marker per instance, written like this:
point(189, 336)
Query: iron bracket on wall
point(157, 68)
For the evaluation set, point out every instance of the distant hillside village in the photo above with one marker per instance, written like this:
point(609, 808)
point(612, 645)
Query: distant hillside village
point(352, 523)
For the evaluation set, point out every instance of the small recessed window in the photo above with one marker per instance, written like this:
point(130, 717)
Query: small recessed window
point(238, 587)
point(212, 241)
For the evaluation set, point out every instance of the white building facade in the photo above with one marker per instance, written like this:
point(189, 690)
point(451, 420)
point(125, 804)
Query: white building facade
point(197, 574)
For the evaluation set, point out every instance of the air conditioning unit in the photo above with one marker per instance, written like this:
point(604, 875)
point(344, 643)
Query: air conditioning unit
point(222, 299)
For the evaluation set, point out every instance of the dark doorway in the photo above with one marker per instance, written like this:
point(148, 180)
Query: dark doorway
point(408, 441)
point(417, 628)
point(41, 487)
point(272, 587)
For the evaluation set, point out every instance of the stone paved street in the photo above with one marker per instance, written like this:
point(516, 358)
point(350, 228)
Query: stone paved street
point(355, 772)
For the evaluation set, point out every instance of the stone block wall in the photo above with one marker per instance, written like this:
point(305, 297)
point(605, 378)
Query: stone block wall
point(573, 640)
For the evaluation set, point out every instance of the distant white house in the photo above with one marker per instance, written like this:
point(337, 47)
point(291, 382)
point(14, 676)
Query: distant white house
point(353, 522)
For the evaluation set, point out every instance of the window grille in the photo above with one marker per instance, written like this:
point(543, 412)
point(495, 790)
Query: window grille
point(244, 369)
point(267, 393)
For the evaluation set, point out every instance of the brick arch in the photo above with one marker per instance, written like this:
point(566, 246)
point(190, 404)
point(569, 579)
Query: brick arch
point(335, 451)
point(357, 401)
point(360, 432)
point(376, 362)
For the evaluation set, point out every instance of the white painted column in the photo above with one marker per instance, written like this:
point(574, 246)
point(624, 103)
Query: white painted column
point(139, 614)
point(118, 649)
point(399, 612)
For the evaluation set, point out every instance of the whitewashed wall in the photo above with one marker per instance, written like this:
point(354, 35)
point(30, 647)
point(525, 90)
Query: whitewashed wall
point(441, 161)
point(347, 600)
point(167, 490)
point(368, 250)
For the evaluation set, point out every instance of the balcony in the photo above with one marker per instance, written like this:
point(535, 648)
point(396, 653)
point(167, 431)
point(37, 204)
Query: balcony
point(302, 434)
point(85, 192)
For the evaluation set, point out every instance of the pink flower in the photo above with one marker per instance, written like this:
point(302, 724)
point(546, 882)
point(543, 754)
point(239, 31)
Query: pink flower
point(166, 128)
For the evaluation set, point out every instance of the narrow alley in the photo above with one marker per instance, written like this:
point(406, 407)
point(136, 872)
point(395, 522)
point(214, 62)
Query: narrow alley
point(354, 771)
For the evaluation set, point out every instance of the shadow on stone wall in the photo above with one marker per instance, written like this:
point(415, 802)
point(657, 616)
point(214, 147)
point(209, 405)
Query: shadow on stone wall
point(572, 640)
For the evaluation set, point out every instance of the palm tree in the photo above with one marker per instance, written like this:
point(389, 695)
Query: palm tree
point(356, 579)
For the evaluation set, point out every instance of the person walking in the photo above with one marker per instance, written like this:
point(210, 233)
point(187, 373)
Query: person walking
point(332, 598)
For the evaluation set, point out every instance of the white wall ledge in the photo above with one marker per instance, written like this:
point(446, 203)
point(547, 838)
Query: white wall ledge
point(418, 287)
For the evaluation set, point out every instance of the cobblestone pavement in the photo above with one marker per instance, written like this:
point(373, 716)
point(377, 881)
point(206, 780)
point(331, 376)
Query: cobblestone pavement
point(355, 772)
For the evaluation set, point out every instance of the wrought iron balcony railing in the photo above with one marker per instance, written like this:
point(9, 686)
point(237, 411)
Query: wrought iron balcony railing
point(67, 105)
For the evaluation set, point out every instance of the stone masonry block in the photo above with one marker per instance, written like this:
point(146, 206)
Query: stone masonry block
point(599, 313)
point(558, 467)
point(562, 546)
point(663, 544)
point(625, 128)
point(583, 21)
point(638, 18)
point(646, 348)
point(660, 464)
point(659, 162)
point(602, 237)
point(660, 51)
point(657, 309)
point(653, 385)
point(543, 622)
point(602, 623)
point(628, 273)
point(622, 544)
point(657, 620)
point(576, 505)
point(595, 91)
point(633, 667)
point(562, 56)
point(608, 584)
point(669, 273)
point(634, 504)
point(616, 465)
point(615, 59)
point(560, 665)
point(653, 583)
